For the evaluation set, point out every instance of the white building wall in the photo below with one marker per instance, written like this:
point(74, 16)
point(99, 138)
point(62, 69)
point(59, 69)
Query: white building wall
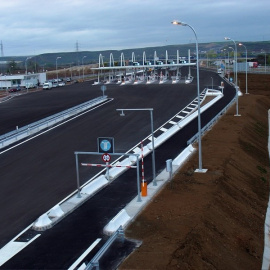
point(30, 80)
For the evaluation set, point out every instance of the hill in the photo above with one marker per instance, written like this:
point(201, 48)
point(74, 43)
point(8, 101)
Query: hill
point(68, 59)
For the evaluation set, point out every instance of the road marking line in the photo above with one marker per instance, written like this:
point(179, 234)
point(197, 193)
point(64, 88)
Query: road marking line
point(75, 264)
point(12, 248)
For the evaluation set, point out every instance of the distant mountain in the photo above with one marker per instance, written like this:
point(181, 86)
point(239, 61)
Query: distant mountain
point(74, 58)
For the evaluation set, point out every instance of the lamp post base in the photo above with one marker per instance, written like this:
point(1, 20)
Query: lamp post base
point(237, 115)
point(201, 170)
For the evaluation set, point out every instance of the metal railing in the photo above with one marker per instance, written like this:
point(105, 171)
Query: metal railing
point(25, 131)
point(211, 123)
point(94, 263)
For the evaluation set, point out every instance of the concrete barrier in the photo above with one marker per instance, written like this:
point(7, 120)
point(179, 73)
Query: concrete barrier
point(116, 171)
point(266, 252)
point(42, 223)
point(163, 137)
point(121, 219)
point(95, 185)
point(180, 159)
point(56, 211)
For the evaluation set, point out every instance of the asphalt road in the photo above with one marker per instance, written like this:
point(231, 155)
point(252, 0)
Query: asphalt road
point(38, 174)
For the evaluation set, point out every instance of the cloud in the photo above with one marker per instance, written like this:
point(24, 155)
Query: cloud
point(56, 25)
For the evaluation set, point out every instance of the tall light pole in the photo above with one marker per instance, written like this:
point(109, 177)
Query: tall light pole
point(198, 94)
point(83, 66)
point(241, 44)
point(59, 57)
point(236, 87)
point(152, 132)
point(26, 64)
point(264, 60)
point(224, 51)
point(233, 61)
point(26, 78)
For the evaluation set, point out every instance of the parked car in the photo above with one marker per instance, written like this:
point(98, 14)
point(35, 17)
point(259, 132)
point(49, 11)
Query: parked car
point(12, 90)
point(61, 84)
point(47, 86)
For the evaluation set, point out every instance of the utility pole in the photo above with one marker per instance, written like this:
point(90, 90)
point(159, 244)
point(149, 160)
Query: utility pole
point(2, 49)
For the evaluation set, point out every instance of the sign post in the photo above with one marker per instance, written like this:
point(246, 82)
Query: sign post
point(106, 158)
point(113, 154)
point(103, 89)
point(105, 145)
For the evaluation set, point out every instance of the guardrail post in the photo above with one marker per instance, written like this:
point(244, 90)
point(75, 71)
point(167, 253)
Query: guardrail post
point(78, 177)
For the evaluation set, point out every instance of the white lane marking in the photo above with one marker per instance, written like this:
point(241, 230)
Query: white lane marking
point(54, 127)
point(76, 263)
point(12, 248)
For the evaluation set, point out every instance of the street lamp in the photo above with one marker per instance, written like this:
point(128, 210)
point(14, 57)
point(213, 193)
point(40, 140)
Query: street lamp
point(241, 44)
point(26, 78)
point(235, 60)
point(152, 132)
point(59, 57)
point(26, 64)
point(198, 94)
point(264, 60)
point(83, 66)
point(224, 51)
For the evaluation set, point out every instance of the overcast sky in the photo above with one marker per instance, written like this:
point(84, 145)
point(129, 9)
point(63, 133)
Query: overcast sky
point(29, 27)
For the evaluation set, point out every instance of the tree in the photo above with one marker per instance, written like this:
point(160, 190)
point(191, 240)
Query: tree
point(11, 67)
point(33, 66)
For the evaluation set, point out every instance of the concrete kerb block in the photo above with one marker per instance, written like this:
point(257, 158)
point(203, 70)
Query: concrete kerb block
point(138, 151)
point(56, 211)
point(42, 223)
point(164, 136)
point(266, 257)
point(121, 219)
point(95, 185)
point(267, 219)
point(116, 171)
point(182, 157)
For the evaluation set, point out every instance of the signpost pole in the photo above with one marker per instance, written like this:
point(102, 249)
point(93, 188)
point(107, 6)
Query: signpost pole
point(78, 177)
point(107, 171)
point(138, 181)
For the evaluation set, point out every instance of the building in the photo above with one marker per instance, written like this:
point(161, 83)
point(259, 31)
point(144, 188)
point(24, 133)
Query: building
point(25, 81)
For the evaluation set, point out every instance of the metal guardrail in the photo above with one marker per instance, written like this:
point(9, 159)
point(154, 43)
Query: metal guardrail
point(94, 263)
point(211, 123)
point(25, 131)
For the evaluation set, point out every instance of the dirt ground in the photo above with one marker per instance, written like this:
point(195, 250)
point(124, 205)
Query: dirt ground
point(213, 220)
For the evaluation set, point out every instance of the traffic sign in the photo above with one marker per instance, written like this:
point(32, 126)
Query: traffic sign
point(105, 145)
point(106, 157)
point(103, 89)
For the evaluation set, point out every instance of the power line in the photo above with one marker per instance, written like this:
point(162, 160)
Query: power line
point(77, 46)
point(2, 49)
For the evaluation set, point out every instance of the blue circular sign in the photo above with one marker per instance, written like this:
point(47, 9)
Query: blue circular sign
point(105, 145)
